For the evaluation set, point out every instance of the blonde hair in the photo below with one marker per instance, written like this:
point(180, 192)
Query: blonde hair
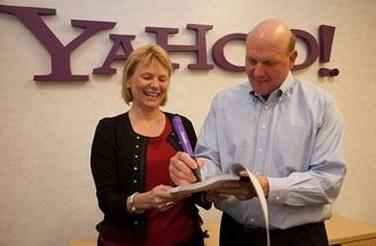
point(143, 55)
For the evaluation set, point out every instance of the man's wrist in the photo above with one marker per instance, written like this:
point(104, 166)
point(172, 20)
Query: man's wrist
point(204, 199)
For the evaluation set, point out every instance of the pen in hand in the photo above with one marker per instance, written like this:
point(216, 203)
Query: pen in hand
point(186, 145)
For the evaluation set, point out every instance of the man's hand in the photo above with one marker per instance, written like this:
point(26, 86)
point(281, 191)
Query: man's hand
point(243, 190)
point(181, 166)
point(215, 197)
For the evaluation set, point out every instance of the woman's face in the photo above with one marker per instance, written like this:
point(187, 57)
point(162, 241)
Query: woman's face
point(149, 85)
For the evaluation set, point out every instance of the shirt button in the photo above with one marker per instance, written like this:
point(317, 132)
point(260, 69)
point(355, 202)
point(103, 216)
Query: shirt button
point(135, 181)
point(138, 137)
point(135, 156)
point(137, 146)
point(266, 107)
point(252, 220)
point(260, 149)
point(135, 168)
point(135, 222)
point(263, 126)
point(277, 198)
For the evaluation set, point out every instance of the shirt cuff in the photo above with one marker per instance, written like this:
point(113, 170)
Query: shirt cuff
point(278, 188)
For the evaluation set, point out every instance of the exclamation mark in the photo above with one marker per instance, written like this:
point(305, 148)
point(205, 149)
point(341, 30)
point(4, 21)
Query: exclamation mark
point(326, 34)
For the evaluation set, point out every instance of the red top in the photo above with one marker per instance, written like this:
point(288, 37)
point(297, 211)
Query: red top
point(174, 226)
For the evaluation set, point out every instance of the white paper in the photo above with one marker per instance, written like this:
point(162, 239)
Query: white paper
point(215, 182)
point(237, 168)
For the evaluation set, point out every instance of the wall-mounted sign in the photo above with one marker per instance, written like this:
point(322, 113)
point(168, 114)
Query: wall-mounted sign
point(60, 55)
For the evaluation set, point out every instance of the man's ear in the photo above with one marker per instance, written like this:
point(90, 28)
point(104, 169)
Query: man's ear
point(292, 57)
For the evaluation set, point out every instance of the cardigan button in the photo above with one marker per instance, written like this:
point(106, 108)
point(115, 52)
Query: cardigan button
point(135, 156)
point(135, 168)
point(135, 181)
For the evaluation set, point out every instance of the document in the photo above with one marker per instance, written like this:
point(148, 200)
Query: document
point(237, 172)
point(208, 184)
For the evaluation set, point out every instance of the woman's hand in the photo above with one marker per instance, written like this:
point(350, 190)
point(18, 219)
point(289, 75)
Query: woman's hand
point(158, 198)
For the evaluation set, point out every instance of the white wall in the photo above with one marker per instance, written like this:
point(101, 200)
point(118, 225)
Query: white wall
point(47, 193)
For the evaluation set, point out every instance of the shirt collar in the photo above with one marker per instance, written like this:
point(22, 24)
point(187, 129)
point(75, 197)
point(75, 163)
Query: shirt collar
point(287, 84)
point(282, 90)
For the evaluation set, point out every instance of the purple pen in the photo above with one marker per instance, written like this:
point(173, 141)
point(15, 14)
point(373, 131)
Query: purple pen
point(186, 145)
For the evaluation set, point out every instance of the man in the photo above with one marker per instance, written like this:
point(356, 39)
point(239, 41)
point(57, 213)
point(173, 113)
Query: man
point(288, 133)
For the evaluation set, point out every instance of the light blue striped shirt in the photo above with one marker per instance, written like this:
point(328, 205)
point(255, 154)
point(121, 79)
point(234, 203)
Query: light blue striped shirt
point(294, 138)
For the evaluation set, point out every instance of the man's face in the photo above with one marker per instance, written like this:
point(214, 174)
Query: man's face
point(267, 65)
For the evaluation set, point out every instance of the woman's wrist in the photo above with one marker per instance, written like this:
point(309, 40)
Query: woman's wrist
point(131, 205)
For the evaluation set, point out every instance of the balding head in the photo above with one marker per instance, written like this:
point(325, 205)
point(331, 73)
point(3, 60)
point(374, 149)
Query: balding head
point(274, 32)
point(270, 55)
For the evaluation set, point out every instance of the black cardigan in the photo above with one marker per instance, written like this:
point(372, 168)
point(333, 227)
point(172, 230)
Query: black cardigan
point(117, 164)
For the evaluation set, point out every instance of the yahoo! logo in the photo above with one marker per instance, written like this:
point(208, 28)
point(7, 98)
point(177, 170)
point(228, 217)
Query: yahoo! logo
point(60, 54)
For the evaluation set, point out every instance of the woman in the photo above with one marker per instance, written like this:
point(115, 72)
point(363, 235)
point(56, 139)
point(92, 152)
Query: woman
point(129, 161)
